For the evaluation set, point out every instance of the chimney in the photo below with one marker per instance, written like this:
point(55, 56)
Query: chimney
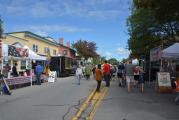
point(61, 41)
point(68, 44)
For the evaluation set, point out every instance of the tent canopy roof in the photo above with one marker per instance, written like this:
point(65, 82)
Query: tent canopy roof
point(171, 52)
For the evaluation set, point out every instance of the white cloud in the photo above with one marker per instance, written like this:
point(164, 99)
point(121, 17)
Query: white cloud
point(102, 9)
point(108, 55)
point(44, 29)
point(122, 51)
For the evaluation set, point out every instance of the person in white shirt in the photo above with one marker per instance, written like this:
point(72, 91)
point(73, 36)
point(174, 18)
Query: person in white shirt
point(79, 73)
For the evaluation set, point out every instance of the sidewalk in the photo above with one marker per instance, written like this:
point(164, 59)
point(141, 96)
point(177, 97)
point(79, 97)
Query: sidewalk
point(118, 104)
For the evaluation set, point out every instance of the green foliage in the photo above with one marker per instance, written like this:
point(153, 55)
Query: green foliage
point(113, 61)
point(150, 23)
point(85, 49)
point(1, 28)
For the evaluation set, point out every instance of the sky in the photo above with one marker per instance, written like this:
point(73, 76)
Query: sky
point(100, 21)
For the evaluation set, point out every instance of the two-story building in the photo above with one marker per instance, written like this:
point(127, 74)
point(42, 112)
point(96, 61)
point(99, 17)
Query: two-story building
point(38, 44)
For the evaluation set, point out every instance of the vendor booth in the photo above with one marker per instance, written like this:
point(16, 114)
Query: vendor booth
point(23, 56)
point(167, 73)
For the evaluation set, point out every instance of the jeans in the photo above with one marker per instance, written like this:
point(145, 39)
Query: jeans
point(98, 85)
point(78, 79)
point(38, 79)
point(107, 79)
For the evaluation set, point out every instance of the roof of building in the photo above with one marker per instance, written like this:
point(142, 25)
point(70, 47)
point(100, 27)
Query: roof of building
point(45, 39)
point(30, 34)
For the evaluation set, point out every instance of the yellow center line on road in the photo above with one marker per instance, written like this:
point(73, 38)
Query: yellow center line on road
point(93, 100)
point(84, 105)
point(91, 116)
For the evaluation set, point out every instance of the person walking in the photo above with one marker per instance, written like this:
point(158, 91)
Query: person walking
point(94, 70)
point(6, 71)
point(98, 76)
point(120, 74)
point(129, 75)
point(79, 73)
point(87, 71)
point(141, 79)
point(14, 70)
point(39, 71)
point(106, 70)
point(136, 71)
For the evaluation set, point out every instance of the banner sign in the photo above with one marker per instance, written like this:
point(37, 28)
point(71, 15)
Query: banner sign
point(17, 52)
point(52, 76)
point(164, 79)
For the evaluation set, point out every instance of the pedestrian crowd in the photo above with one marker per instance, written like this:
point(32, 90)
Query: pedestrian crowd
point(127, 74)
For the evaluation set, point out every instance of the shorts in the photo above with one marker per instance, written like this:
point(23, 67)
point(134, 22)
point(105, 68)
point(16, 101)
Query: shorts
point(129, 79)
point(136, 77)
point(119, 75)
point(141, 79)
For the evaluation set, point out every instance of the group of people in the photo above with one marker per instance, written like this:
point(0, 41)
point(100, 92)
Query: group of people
point(38, 71)
point(128, 75)
point(99, 72)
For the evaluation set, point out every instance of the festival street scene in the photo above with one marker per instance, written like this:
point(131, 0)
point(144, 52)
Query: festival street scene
point(89, 60)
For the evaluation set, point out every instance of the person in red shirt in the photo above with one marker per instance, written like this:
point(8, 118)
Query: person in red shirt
point(106, 70)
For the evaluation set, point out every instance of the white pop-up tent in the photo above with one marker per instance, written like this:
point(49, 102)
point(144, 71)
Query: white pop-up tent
point(33, 55)
point(172, 52)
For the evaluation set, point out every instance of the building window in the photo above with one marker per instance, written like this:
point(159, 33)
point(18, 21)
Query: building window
point(35, 48)
point(46, 50)
point(23, 64)
point(54, 52)
point(65, 52)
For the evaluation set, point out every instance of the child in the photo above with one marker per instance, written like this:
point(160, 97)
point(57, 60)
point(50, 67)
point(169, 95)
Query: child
point(98, 76)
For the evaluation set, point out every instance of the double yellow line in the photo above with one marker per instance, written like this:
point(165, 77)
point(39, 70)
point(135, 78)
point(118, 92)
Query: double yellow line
point(94, 100)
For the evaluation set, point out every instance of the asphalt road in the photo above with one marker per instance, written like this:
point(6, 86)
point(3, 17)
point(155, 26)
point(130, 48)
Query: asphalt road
point(50, 101)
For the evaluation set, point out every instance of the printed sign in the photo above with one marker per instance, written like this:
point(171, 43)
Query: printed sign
point(164, 79)
point(52, 76)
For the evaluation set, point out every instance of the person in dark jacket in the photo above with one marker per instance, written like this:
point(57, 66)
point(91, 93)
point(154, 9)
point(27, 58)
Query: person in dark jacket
point(14, 70)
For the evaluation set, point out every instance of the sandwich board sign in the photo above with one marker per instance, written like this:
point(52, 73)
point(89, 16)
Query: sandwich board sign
point(52, 76)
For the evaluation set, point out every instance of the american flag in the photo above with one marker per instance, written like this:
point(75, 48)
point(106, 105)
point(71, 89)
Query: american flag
point(17, 52)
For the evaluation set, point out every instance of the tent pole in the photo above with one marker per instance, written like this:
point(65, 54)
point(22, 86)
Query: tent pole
point(30, 71)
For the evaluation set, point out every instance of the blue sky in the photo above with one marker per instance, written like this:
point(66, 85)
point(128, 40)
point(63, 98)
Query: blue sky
point(101, 21)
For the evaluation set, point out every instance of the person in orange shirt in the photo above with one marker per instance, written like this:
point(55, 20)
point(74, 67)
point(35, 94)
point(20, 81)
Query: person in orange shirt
point(177, 90)
point(98, 75)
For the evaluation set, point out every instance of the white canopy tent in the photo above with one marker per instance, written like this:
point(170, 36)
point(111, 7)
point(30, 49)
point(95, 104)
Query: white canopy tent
point(171, 52)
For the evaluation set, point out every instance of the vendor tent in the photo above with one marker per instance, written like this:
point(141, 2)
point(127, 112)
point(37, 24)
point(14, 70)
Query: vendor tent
point(171, 52)
point(33, 55)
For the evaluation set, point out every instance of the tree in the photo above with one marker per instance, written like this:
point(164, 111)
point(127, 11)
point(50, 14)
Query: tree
point(1, 28)
point(150, 23)
point(113, 61)
point(165, 13)
point(85, 49)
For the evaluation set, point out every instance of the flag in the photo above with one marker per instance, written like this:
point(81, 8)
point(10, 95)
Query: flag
point(48, 57)
point(17, 52)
